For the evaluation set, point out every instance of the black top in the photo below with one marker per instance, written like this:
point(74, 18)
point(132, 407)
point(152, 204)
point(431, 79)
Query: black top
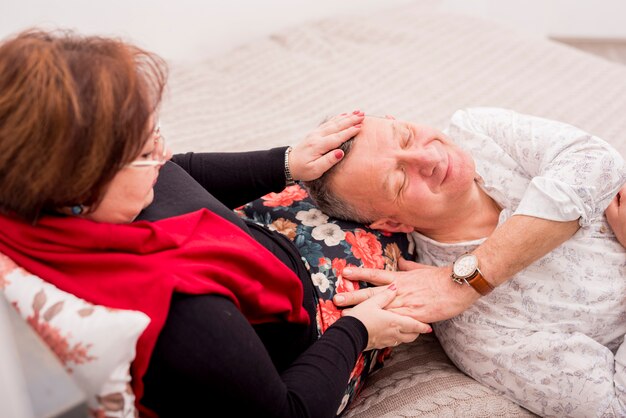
point(208, 357)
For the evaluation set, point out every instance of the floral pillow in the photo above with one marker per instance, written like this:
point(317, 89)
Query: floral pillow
point(95, 344)
point(327, 246)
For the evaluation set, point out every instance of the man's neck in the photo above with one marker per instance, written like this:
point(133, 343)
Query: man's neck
point(476, 219)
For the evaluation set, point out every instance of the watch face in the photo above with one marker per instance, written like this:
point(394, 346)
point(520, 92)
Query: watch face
point(465, 265)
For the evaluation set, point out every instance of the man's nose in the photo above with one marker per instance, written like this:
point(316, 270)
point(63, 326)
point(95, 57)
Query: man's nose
point(423, 159)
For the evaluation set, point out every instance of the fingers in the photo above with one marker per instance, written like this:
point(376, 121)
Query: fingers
point(337, 117)
point(357, 296)
point(340, 123)
point(407, 330)
point(329, 159)
point(330, 140)
point(384, 297)
point(373, 276)
point(410, 326)
point(335, 140)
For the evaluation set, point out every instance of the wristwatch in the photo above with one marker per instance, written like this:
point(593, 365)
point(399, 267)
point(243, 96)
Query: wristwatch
point(465, 270)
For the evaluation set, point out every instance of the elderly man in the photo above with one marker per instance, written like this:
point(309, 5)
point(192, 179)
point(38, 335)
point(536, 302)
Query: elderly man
point(521, 276)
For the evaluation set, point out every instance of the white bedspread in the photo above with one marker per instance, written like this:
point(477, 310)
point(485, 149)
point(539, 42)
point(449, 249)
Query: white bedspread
point(414, 62)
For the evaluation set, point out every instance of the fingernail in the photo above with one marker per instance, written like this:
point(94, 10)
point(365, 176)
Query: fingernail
point(356, 112)
point(429, 330)
point(392, 286)
point(357, 125)
point(347, 272)
point(339, 299)
point(338, 154)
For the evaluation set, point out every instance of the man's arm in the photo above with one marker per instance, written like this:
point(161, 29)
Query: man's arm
point(519, 242)
point(428, 293)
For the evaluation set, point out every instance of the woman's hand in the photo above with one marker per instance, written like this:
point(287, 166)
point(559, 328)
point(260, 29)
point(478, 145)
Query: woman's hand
point(318, 152)
point(616, 215)
point(425, 293)
point(385, 328)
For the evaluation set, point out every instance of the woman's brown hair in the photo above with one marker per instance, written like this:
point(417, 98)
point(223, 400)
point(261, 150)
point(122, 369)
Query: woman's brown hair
point(73, 111)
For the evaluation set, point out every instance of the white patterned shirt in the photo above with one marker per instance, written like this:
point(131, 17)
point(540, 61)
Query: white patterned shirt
point(550, 338)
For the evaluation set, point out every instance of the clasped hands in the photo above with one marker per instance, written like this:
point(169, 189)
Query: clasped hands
point(424, 293)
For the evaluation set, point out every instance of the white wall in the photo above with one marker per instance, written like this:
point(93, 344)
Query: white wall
point(191, 29)
point(558, 18)
point(178, 29)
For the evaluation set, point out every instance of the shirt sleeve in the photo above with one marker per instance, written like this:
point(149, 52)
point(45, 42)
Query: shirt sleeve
point(235, 178)
point(209, 354)
point(573, 174)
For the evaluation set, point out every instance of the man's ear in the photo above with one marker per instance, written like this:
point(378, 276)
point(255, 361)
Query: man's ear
point(390, 117)
point(387, 225)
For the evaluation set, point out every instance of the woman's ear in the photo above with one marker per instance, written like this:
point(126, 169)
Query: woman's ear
point(388, 225)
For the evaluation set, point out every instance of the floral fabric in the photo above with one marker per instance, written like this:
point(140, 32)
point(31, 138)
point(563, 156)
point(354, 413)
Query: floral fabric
point(95, 344)
point(552, 337)
point(327, 246)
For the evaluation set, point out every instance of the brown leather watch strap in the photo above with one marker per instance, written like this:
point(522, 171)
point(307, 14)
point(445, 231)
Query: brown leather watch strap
point(479, 284)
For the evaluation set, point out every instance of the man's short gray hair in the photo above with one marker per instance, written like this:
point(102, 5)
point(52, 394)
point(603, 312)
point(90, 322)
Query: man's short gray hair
point(327, 201)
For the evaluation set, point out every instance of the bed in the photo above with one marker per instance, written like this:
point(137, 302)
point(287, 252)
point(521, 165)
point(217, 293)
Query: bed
point(416, 63)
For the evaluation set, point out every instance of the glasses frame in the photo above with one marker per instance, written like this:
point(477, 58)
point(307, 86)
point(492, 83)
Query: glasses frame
point(159, 141)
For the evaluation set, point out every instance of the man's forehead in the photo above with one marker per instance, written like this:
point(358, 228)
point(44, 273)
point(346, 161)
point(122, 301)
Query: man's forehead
point(379, 128)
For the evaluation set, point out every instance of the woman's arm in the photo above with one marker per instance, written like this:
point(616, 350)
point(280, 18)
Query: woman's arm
point(208, 357)
point(240, 177)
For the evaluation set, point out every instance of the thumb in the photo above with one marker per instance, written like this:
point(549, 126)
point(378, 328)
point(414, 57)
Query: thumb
point(385, 297)
point(321, 164)
point(407, 265)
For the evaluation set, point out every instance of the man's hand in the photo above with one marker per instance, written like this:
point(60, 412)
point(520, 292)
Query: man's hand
point(425, 293)
point(385, 328)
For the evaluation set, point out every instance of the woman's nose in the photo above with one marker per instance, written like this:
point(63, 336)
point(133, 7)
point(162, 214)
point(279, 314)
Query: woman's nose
point(168, 156)
point(168, 153)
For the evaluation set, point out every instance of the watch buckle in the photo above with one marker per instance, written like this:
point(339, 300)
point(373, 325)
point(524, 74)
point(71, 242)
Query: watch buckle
point(460, 280)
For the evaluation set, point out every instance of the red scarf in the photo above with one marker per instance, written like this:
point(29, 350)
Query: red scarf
point(138, 266)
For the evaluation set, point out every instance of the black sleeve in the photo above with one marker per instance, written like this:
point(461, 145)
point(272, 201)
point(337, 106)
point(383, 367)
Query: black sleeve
point(236, 178)
point(209, 357)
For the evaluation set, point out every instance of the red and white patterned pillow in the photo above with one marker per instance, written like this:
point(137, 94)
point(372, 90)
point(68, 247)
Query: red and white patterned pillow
point(94, 343)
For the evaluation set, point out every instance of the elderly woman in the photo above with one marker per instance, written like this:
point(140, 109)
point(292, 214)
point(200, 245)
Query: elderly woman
point(536, 315)
point(91, 202)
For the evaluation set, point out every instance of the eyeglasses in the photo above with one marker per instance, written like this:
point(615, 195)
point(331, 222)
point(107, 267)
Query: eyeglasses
point(157, 157)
